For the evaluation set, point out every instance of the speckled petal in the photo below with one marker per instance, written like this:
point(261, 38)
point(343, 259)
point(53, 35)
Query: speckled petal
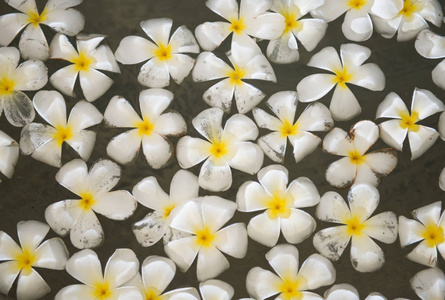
point(341, 173)
point(424, 254)
point(33, 44)
point(274, 146)
point(363, 200)
point(283, 50)
point(86, 231)
point(429, 284)
point(154, 74)
point(215, 176)
point(247, 97)
point(382, 227)
point(366, 255)
point(220, 95)
point(331, 242)
point(208, 123)
point(150, 229)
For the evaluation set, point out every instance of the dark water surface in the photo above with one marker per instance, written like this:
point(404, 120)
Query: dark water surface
point(411, 185)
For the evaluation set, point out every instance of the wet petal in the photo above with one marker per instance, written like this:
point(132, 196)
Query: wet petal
point(94, 84)
point(283, 104)
point(262, 284)
point(183, 251)
point(150, 229)
point(266, 26)
point(274, 146)
point(247, 96)
point(247, 157)
point(51, 107)
point(9, 151)
point(208, 123)
point(421, 140)
point(61, 48)
point(332, 208)
point(220, 95)
point(264, 230)
point(103, 59)
point(426, 103)
point(313, 87)
point(429, 213)
point(274, 178)
point(149, 193)
point(158, 272)
point(86, 231)
point(382, 161)
point(31, 286)
point(183, 41)
point(357, 25)
point(73, 176)
point(216, 212)
point(67, 21)
point(382, 227)
point(424, 254)
point(265, 120)
point(259, 68)
point(52, 254)
point(103, 176)
point(364, 135)
point(62, 215)
point(318, 271)
point(121, 267)
point(49, 153)
point(332, 241)
point(283, 50)
point(154, 74)
point(366, 256)
point(341, 173)
point(179, 67)
point(363, 200)
point(369, 76)
point(211, 34)
point(232, 240)
point(211, 263)
point(284, 260)
point(215, 176)
point(344, 105)
point(64, 79)
point(342, 291)
point(409, 28)
point(8, 247)
point(191, 151)
point(18, 108)
point(429, 284)
point(116, 205)
point(134, 49)
point(429, 44)
point(315, 117)
point(33, 44)
point(11, 25)
point(85, 267)
point(438, 75)
point(298, 227)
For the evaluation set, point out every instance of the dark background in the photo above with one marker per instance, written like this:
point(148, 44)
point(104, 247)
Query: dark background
point(411, 185)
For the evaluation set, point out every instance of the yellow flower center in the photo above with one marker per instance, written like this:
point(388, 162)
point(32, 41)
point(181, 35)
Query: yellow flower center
point(102, 291)
point(168, 209)
point(278, 205)
point(288, 129)
point(342, 77)
point(87, 201)
point(291, 20)
point(145, 127)
point(433, 235)
point(35, 19)
point(218, 149)
point(24, 260)
point(82, 62)
point(164, 52)
point(63, 134)
point(410, 7)
point(238, 25)
point(409, 121)
point(236, 75)
point(6, 86)
point(205, 237)
point(356, 158)
point(290, 288)
point(151, 294)
point(356, 4)
point(354, 226)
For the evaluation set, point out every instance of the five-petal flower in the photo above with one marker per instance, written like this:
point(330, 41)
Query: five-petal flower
point(292, 282)
point(224, 149)
point(202, 219)
point(57, 14)
point(356, 166)
point(358, 225)
point(394, 132)
point(151, 130)
point(21, 260)
point(429, 228)
point(316, 117)
point(281, 204)
point(77, 217)
point(9, 154)
point(44, 142)
point(90, 57)
point(165, 56)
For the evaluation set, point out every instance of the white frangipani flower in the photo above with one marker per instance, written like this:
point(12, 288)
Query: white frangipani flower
point(280, 203)
point(157, 274)
point(86, 61)
point(57, 14)
point(431, 45)
point(21, 260)
point(358, 225)
point(429, 228)
point(151, 130)
point(9, 154)
point(165, 56)
point(410, 20)
point(248, 63)
point(78, 217)
point(251, 19)
point(225, 148)
point(44, 142)
point(216, 289)
point(429, 284)
point(85, 266)
point(344, 291)
point(316, 117)
point(30, 75)
point(292, 282)
point(394, 132)
point(357, 166)
point(357, 25)
point(184, 186)
point(202, 219)
point(349, 69)
point(307, 31)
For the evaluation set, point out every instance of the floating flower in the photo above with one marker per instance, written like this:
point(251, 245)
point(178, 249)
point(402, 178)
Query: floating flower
point(44, 142)
point(9, 154)
point(224, 149)
point(251, 19)
point(346, 291)
point(216, 289)
point(202, 219)
point(316, 117)
point(85, 266)
point(165, 56)
point(356, 166)
point(30, 75)
point(432, 46)
point(281, 204)
point(21, 260)
point(151, 130)
point(307, 31)
point(291, 282)
point(357, 25)
point(86, 61)
point(350, 69)
point(157, 274)
point(184, 186)
point(358, 225)
point(394, 132)
point(410, 20)
point(78, 216)
point(429, 284)
point(59, 15)
point(248, 63)
point(429, 229)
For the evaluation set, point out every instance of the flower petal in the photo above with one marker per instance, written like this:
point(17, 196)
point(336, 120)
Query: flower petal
point(61, 48)
point(9, 273)
point(149, 193)
point(183, 251)
point(262, 284)
point(341, 173)
point(52, 254)
point(211, 263)
point(304, 192)
point(297, 227)
point(426, 103)
point(31, 286)
point(409, 231)
point(11, 25)
point(211, 34)
point(216, 288)
point(364, 134)
point(232, 240)
point(62, 215)
point(208, 123)
point(94, 84)
point(438, 75)
point(208, 67)
point(357, 25)
point(220, 95)
point(382, 227)
point(312, 32)
point(332, 208)
point(8, 247)
point(51, 107)
point(9, 151)
point(120, 113)
point(366, 256)
point(369, 76)
point(64, 79)
point(264, 230)
point(315, 117)
point(215, 176)
point(391, 107)
point(429, 44)
point(158, 29)
point(67, 21)
point(157, 150)
point(337, 142)
point(103, 176)
point(85, 267)
point(304, 143)
point(247, 97)
point(227, 9)
point(179, 67)
point(191, 151)
point(103, 59)
point(216, 211)
point(381, 162)
point(315, 86)
point(429, 213)
point(330, 11)
point(318, 271)
point(283, 50)
point(122, 266)
point(125, 154)
point(284, 259)
point(184, 186)
point(331, 242)
point(421, 140)
point(183, 41)
point(134, 49)
point(363, 200)
point(31, 234)
point(116, 205)
point(267, 26)
point(392, 134)
point(86, 231)
point(274, 146)
point(33, 44)
point(150, 229)
point(239, 128)
point(410, 27)
point(154, 74)
point(18, 108)
point(158, 272)
point(74, 292)
point(250, 197)
point(429, 284)
point(344, 105)
point(424, 254)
